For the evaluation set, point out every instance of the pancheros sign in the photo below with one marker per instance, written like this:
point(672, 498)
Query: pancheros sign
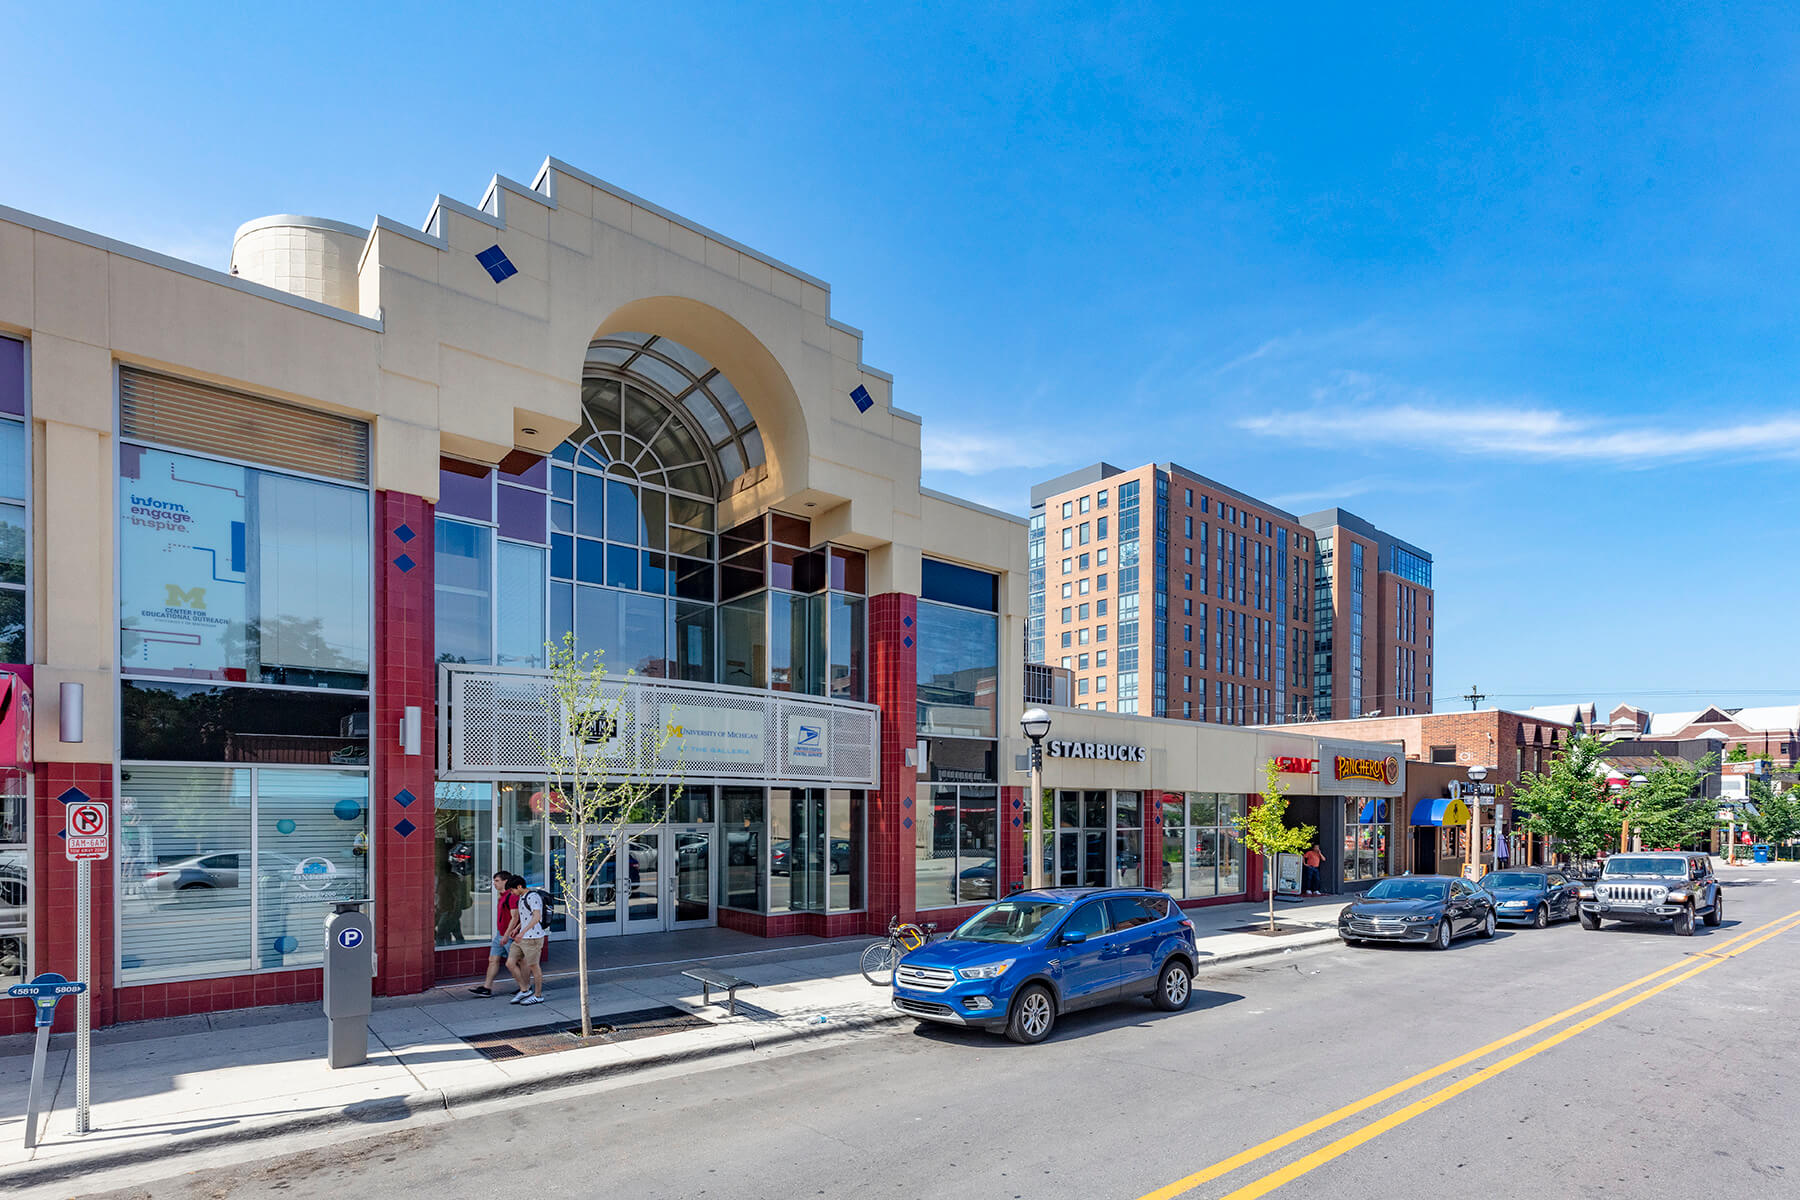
point(1375, 770)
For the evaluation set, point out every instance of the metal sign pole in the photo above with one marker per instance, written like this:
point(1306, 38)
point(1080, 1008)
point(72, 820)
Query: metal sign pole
point(84, 956)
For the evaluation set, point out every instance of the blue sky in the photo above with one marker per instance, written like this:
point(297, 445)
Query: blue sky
point(1518, 286)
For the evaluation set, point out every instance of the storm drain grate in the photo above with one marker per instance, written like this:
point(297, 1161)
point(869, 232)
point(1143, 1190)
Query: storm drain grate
point(608, 1029)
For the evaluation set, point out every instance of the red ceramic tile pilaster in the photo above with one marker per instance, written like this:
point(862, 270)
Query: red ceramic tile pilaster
point(403, 812)
point(53, 931)
point(1009, 869)
point(893, 808)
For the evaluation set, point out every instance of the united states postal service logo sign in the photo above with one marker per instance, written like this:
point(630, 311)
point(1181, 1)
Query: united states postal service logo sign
point(807, 736)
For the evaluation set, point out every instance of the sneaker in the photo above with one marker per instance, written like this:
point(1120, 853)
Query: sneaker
point(481, 990)
point(532, 1000)
point(519, 997)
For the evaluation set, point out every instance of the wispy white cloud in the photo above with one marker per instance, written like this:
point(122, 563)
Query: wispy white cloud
point(1358, 487)
point(979, 451)
point(1353, 410)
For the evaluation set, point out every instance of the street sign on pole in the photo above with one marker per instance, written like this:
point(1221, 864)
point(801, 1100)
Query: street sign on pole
point(87, 836)
point(86, 833)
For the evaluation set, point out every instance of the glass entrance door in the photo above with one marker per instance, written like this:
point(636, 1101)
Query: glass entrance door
point(691, 901)
point(642, 906)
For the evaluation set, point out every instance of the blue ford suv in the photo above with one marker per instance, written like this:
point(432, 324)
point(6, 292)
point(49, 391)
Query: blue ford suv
point(1021, 962)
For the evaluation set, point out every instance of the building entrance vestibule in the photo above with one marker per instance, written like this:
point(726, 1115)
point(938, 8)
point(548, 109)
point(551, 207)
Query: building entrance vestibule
point(651, 878)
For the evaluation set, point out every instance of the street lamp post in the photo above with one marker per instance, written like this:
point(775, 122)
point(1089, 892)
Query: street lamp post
point(1637, 781)
point(1035, 723)
point(1476, 775)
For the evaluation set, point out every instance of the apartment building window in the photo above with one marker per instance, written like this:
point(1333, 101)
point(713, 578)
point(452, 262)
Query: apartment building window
point(1190, 497)
point(1100, 706)
point(1081, 662)
point(1081, 563)
point(1100, 528)
point(1187, 683)
point(1081, 637)
point(1099, 683)
point(1081, 587)
point(1100, 608)
point(1066, 665)
point(1068, 590)
point(1187, 656)
point(1100, 498)
point(1082, 611)
point(1187, 633)
point(1066, 615)
point(1100, 557)
point(1100, 582)
point(1187, 581)
point(1068, 509)
point(1187, 556)
point(1187, 608)
point(1100, 658)
point(1082, 504)
point(1081, 686)
point(1068, 537)
point(1205, 504)
point(1187, 523)
point(1068, 566)
point(1065, 639)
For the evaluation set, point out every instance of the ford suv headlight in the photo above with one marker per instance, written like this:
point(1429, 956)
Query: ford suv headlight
point(990, 971)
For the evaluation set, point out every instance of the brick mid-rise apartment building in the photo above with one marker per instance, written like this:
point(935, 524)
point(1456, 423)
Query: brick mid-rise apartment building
point(1167, 593)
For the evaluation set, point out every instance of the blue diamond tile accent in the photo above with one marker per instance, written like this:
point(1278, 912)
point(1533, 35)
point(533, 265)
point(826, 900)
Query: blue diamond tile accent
point(62, 833)
point(906, 824)
point(497, 264)
point(405, 563)
point(404, 798)
point(73, 796)
point(860, 397)
point(1016, 822)
point(906, 621)
point(906, 803)
point(1018, 804)
point(405, 828)
point(405, 534)
point(907, 642)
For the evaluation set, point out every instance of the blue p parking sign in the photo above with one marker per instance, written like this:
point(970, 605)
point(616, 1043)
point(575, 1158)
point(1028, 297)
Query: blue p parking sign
point(350, 939)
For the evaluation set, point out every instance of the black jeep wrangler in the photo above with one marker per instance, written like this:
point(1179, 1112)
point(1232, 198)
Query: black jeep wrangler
point(1667, 887)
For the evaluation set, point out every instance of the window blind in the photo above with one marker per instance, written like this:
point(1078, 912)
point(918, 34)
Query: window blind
point(197, 416)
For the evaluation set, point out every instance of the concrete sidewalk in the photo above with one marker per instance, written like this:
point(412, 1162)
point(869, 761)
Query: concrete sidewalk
point(162, 1088)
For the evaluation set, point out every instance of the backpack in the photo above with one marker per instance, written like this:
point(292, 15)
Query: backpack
point(548, 903)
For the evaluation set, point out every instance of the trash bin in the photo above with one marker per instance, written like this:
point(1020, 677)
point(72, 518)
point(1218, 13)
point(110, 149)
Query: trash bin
point(1761, 852)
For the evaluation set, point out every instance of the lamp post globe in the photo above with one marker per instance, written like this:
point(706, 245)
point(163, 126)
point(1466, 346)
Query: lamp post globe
point(1477, 774)
point(1035, 723)
point(1638, 781)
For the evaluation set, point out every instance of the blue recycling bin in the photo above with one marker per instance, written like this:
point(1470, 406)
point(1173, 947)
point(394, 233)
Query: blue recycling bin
point(1761, 852)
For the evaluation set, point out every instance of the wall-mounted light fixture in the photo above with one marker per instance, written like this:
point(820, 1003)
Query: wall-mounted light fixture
point(410, 723)
point(71, 702)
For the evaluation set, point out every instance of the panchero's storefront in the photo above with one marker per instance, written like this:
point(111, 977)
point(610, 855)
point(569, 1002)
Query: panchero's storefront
point(360, 481)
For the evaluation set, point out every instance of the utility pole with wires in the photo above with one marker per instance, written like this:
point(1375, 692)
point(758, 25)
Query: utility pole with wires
point(1474, 697)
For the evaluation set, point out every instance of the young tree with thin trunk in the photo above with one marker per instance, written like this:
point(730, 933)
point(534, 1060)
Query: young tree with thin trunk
point(1568, 802)
point(607, 761)
point(1264, 833)
point(1670, 809)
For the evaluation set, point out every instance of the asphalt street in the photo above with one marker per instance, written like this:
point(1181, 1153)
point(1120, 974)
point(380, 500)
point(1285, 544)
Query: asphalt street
point(1682, 1083)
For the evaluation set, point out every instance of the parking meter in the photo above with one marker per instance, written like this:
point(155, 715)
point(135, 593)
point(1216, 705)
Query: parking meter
point(349, 983)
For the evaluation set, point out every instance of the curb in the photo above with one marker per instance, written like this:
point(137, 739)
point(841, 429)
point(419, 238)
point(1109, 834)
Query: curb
point(389, 1109)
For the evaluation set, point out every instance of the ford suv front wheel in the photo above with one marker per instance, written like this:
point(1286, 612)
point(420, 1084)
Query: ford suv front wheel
point(1033, 1015)
point(1173, 986)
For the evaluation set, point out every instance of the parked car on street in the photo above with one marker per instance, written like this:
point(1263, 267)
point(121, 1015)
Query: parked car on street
point(1533, 895)
point(1019, 964)
point(1666, 888)
point(1433, 910)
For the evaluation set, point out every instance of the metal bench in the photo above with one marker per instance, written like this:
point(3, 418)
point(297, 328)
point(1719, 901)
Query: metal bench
point(709, 979)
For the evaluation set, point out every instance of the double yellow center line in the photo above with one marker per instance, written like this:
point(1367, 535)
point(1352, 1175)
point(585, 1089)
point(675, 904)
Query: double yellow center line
point(1716, 954)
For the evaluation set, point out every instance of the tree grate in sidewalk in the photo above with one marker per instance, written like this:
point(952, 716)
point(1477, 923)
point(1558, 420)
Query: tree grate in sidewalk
point(608, 1030)
point(1263, 930)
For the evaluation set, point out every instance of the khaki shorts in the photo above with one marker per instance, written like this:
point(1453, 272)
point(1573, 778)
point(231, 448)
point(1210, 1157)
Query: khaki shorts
point(525, 952)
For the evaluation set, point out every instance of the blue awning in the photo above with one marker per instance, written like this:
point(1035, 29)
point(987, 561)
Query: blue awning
point(1374, 812)
point(1441, 811)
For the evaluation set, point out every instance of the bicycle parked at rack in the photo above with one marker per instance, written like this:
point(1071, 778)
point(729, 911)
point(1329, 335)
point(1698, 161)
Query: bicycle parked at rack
point(880, 958)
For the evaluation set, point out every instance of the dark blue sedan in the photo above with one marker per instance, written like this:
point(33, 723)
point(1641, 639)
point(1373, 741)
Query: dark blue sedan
point(1534, 896)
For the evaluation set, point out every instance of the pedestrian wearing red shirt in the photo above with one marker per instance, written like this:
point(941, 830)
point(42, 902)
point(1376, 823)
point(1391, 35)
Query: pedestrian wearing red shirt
point(506, 928)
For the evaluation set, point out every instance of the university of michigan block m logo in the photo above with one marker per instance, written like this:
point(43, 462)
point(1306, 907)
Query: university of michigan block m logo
point(180, 597)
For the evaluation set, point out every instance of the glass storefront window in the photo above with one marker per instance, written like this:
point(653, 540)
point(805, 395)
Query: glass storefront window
point(212, 846)
point(958, 671)
point(956, 847)
point(464, 863)
point(848, 639)
point(232, 573)
point(797, 855)
point(1214, 855)
point(521, 833)
point(15, 877)
point(522, 581)
point(744, 642)
point(743, 822)
point(1365, 838)
point(1128, 840)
